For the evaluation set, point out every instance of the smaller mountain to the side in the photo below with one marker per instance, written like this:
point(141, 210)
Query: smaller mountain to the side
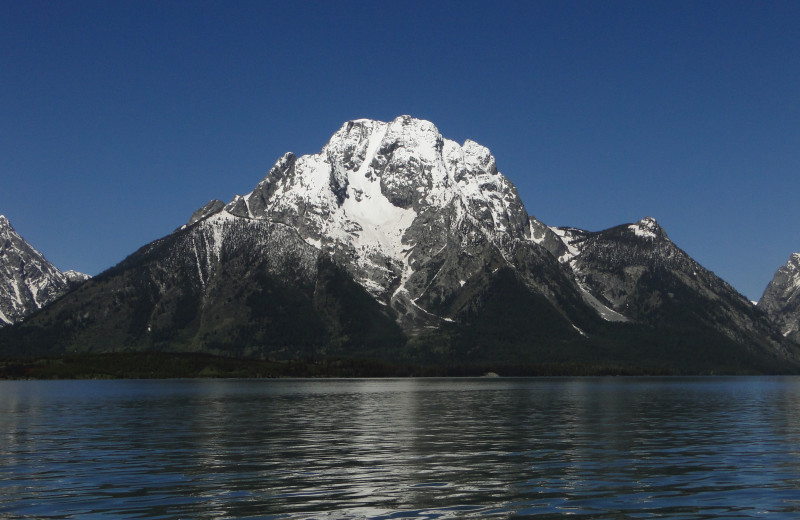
point(635, 273)
point(28, 281)
point(74, 277)
point(781, 299)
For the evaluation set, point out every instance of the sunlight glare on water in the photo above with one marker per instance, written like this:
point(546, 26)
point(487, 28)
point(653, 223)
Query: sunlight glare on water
point(401, 448)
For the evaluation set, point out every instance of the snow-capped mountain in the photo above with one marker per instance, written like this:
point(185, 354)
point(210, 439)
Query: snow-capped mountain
point(388, 196)
point(28, 281)
point(397, 244)
point(781, 299)
point(411, 215)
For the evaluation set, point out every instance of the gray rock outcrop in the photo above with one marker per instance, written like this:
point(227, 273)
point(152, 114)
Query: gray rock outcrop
point(28, 281)
point(781, 298)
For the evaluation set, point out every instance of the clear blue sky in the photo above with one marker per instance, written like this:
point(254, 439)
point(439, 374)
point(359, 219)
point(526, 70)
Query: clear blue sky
point(118, 119)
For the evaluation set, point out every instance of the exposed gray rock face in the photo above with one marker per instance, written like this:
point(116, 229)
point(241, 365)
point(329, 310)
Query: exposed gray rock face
point(547, 238)
point(212, 207)
point(609, 263)
point(635, 270)
point(781, 298)
point(28, 281)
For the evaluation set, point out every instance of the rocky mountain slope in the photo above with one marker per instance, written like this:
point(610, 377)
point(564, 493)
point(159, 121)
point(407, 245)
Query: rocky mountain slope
point(28, 281)
point(635, 273)
point(781, 298)
point(395, 243)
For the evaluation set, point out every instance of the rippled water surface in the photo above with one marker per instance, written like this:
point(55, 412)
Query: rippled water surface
point(412, 448)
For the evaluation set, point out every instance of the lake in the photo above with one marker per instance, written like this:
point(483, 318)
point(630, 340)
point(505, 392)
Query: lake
point(613, 448)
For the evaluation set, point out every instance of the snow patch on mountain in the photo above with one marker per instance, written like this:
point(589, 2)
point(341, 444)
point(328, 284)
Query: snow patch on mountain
point(27, 280)
point(570, 238)
point(645, 228)
point(382, 224)
point(605, 312)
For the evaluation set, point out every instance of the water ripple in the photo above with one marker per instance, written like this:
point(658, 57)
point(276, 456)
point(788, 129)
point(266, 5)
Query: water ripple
point(538, 448)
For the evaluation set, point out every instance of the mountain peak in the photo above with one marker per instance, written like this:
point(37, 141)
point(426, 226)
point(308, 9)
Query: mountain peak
point(793, 267)
point(27, 280)
point(648, 228)
point(75, 277)
point(375, 166)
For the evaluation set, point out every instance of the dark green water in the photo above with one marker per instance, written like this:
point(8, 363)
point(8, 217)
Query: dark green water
point(412, 448)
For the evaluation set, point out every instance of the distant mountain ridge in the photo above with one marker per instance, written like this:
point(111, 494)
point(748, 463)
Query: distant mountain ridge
point(28, 281)
point(397, 244)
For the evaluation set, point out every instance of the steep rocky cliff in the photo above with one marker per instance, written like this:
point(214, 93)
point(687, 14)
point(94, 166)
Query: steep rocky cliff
point(781, 299)
point(28, 281)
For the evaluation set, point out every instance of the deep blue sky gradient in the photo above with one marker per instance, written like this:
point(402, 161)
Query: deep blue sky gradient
point(118, 119)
